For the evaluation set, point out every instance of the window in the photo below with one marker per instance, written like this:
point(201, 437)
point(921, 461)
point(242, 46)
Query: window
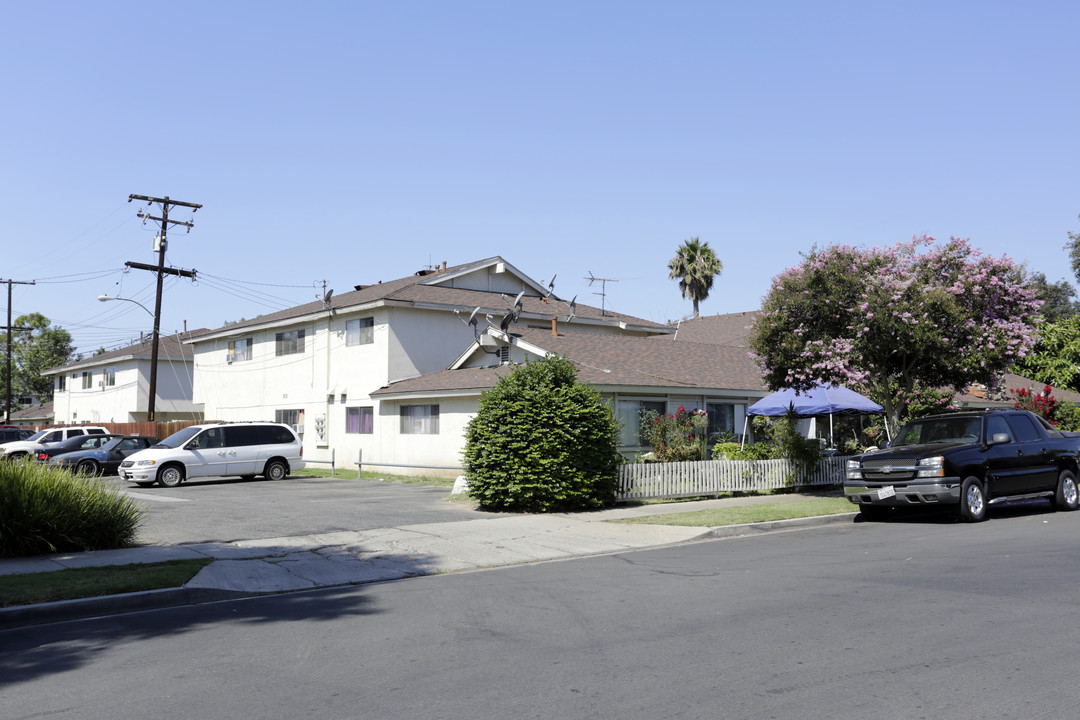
point(995, 424)
point(110, 377)
point(360, 331)
point(61, 383)
point(360, 420)
point(241, 350)
point(419, 419)
point(289, 417)
point(289, 342)
point(1023, 429)
point(629, 413)
point(721, 420)
point(87, 380)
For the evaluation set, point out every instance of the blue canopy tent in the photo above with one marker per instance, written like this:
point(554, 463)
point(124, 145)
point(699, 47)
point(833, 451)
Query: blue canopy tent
point(822, 400)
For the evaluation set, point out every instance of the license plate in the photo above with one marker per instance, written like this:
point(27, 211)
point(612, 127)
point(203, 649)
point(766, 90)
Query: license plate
point(886, 492)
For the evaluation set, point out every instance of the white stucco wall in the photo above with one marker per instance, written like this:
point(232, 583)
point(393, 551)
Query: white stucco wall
point(126, 400)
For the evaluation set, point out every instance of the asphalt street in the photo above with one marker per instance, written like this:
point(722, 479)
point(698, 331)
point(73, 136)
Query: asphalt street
point(919, 618)
point(229, 509)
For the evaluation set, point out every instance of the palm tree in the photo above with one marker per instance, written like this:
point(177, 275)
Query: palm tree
point(695, 265)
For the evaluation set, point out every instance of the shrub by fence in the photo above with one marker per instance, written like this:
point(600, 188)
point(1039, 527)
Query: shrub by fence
point(711, 477)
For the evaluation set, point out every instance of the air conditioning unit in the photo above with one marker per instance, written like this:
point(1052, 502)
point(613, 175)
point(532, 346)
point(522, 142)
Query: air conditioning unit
point(299, 429)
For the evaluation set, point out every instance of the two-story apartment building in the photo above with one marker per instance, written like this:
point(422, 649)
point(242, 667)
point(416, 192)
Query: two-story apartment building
point(319, 365)
point(113, 386)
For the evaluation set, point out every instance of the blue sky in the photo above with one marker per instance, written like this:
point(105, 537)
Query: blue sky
point(353, 142)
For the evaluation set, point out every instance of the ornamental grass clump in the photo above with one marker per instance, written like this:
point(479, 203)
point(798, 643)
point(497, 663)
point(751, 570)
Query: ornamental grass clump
point(46, 510)
point(542, 441)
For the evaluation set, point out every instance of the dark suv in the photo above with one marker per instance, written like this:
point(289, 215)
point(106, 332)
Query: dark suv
point(11, 433)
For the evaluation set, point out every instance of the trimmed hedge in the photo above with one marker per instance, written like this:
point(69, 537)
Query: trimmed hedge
point(542, 441)
point(47, 510)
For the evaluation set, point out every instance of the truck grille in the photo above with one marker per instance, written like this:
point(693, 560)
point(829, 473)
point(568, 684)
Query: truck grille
point(888, 469)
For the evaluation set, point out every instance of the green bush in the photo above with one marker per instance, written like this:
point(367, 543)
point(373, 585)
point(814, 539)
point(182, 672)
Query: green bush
point(732, 451)
point(681, 437)
point(47, 510)
point(541, 441)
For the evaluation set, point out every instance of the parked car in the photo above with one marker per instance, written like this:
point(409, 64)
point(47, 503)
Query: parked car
point(104, 458)
point(245, 449)
point(37, 441)
point(13, 433)
point(967, 460)
point(79, 442)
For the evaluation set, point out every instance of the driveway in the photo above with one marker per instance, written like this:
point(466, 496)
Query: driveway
point(230, 509)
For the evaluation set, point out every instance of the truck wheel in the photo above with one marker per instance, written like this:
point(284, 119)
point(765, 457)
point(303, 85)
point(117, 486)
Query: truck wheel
point(170, 476)
point(972, 500)
point(873, 513)
point(1066, 496)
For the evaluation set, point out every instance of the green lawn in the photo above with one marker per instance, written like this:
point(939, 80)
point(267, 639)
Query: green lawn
point(74, 583)
point(376, 477)
point(741, 514)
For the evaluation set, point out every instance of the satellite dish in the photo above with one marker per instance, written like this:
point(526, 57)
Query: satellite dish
point(573, 310)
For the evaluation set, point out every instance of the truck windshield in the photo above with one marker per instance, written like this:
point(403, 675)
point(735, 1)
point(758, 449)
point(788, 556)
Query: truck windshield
point(951, 431)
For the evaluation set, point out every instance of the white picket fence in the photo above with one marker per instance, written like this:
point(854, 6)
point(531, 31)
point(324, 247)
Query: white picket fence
point(709, 477)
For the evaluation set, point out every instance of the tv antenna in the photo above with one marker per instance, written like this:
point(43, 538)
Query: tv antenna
point(603, 289)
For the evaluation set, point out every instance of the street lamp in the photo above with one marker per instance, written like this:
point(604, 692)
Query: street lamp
point(152, 390)
point(106, 298)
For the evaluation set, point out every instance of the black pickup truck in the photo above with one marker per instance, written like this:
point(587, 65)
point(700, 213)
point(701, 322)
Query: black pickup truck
point(970, 460)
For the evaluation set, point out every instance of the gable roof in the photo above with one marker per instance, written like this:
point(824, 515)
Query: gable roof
point(480, 284)
point(728, 329)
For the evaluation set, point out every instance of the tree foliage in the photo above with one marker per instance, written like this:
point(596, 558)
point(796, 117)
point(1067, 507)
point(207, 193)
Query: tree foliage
point(1055, 359)
point(1073, 246)
point(695, 265)
point(42, 347)
point(887, 320)
point(1057, 298)
point(542, 441)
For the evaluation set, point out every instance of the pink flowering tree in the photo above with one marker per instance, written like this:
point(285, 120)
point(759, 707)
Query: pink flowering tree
point(893, 321)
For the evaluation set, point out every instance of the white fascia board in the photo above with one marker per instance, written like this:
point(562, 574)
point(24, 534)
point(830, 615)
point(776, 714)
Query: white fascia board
point(434, 394)
point(91, 362)
point(734, 394)
point(288, 322)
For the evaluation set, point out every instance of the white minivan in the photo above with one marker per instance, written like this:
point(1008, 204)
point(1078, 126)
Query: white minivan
point(245, 449)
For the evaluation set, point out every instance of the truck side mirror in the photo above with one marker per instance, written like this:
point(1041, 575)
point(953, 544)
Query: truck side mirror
point(1000, 438)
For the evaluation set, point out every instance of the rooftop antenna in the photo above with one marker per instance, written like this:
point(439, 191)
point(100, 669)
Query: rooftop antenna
point(603, 289)
point(573, 311)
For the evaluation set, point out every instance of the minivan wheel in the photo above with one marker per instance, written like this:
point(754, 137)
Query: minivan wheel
point(1066, 497)
point(276, 470)
point(170, 476)
point(972, 500)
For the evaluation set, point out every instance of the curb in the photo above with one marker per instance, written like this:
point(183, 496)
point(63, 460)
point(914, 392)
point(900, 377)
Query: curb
point(88, 608)
point(735, 531)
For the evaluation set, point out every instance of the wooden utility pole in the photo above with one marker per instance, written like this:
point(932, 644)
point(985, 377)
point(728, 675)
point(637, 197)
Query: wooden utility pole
point(7, 406)
point(161, 271)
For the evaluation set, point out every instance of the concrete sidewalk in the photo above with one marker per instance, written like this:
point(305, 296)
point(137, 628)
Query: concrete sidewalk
point(286, 564)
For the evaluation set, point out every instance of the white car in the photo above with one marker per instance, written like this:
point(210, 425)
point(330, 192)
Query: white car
point(245, 449)
point(23, 448)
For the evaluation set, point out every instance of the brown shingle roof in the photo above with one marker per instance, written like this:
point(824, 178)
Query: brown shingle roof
point(169, 347)
point(616, 360)
point(729, 329)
